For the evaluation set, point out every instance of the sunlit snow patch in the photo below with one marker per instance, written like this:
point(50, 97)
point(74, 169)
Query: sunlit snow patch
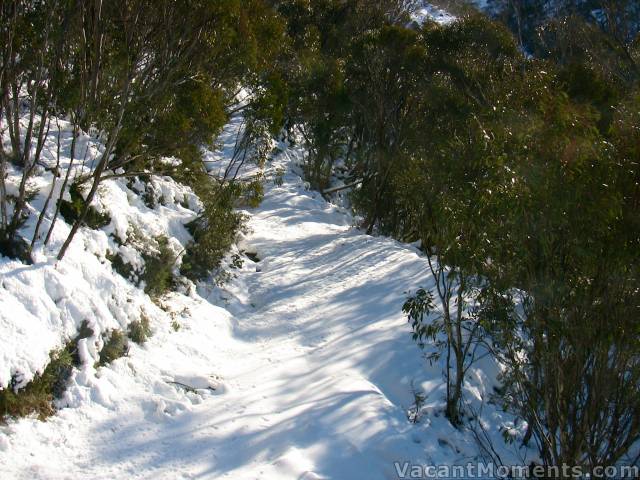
point(433, 13)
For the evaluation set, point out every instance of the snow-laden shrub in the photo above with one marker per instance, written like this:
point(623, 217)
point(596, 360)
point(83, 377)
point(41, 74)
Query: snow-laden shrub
point(140, 330)
point(213, 232)
point(158, 268)
point(122, 267)
point(115, 346)
point(38, 395)
point(146, 261)
point(71, 210)
point(17, 248)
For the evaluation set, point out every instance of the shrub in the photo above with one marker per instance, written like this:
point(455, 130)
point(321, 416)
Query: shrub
point(414, 414)
point(16, 248)
point(71, 210)
point(157, 273)
point(115, 346)
point(121, 267)
point(140, 330)
point(213, 233)
point(37, 396)
point(158, 269)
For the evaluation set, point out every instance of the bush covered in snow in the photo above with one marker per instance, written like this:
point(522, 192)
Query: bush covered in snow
point(72, 209)
point(38, 395)
point(115, 346)
point(140, 330)
point(213, 232)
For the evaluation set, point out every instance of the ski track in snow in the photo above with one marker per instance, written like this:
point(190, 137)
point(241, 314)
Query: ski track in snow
point(310, 366)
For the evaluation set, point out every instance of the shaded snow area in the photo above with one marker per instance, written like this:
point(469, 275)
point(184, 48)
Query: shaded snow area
point(301, 367)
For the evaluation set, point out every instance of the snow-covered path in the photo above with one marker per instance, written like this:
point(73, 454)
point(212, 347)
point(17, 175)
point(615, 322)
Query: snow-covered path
point(312, 357)
point(329, 363)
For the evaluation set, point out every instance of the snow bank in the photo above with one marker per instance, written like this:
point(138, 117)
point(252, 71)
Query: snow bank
point(43, 305)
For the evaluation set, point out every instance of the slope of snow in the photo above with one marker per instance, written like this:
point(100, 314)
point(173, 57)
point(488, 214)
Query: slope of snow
point(43, 305)
point(307, 372)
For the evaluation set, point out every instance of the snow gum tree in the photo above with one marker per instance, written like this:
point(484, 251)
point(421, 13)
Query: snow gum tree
point(148, 86)
point(444, 187)
point(509, 170)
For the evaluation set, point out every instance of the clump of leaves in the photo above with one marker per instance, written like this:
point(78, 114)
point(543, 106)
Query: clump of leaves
point(115, 346)
point(417, 308)
point(253, 193)
point(71, 210)
point(236, 261)
point(140, 330)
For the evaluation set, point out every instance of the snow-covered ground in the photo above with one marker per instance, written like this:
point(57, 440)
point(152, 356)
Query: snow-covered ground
point(44, 304)
point(301, 367)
